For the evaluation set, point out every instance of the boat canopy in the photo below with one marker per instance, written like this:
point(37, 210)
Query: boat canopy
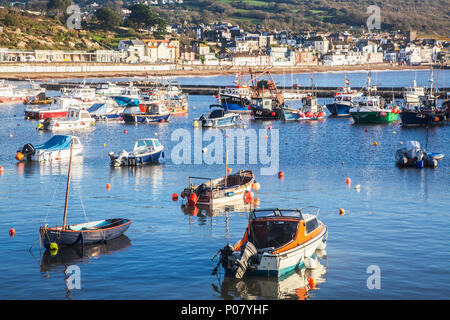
point(58, 142)
point(218, 113)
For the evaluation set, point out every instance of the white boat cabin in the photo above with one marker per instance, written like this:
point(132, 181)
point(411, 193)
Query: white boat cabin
point(146, 145)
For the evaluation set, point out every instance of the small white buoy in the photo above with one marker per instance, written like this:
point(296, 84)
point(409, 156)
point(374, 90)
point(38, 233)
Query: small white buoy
point(204, 150)
point(357, 187)
point(310, 263)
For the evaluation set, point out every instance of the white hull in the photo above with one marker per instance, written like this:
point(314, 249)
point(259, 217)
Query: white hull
point(237, 197)
point(45, 155)
point(70, 125)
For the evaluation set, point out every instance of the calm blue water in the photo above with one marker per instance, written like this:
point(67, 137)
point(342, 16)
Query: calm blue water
point(398, 221)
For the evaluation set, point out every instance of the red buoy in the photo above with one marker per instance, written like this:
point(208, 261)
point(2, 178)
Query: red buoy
point(193, 198)
point(174, 196)
point(280, 174)
point(108, 186)
point(125, 131)
point(12, 232)
point(182, 194)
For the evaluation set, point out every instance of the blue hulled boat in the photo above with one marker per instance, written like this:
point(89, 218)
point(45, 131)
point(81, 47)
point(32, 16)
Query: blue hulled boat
point(343, 99)
point(218, 118)
point(236, 98)
point(145, 151)
point(129, 96)
point(153, 112)
point(426, 113)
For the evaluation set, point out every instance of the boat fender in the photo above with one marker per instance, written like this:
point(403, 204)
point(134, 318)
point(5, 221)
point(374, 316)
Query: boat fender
point(248, 251)
point(310, 263)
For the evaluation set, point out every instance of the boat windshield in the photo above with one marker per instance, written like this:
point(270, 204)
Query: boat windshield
point(276, 233)
point(275, 213)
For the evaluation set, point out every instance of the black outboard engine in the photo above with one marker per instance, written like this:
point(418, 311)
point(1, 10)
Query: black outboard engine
point(28, 150)
point(131, 159)
point(46, 123)
point(248, 251)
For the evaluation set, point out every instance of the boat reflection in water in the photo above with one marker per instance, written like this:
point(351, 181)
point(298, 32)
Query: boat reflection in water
point(215, 210)
point(52, 261)
point(292, 286)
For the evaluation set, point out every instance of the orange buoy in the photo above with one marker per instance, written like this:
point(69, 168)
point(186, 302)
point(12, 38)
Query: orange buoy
point(341, 212)
point(342, 162)
point(182, 194)
point(348, 181)
point(311, 283)
point(375, 143)
point(256, 202)
point(12, 232)
point(108, 186)
point(19, 156)
point(1, 169)
point(436, 119)
point(174, 196)
point(162, 120)
point(229, 170)
point(280, 174)
point(248, 197)
point(125, 131)
point(266, 136)
point(256, 186)
point(193, 198)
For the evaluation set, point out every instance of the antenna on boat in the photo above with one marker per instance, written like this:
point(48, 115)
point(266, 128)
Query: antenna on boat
point(68, 185)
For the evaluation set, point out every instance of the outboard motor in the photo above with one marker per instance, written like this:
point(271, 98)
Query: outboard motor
point(46, 123)
point(28, 150)
point(115, 162)
point(248, 251)
point(131, 159)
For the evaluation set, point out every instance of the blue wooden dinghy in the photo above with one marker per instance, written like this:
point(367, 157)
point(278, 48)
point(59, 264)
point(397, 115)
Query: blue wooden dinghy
point(83, 233)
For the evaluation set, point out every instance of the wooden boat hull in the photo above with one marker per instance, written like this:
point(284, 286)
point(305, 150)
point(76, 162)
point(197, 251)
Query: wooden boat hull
point(82, 237)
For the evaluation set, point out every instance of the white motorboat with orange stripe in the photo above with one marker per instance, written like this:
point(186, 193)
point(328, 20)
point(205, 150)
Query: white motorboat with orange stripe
point(275, 242)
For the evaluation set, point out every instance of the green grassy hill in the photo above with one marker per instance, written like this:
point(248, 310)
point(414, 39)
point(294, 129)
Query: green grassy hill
point(431, 16)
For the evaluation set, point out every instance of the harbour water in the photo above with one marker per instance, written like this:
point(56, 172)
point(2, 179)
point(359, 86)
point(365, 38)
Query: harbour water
point(398, 221)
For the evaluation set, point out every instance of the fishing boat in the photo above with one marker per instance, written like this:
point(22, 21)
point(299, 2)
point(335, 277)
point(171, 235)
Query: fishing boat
point(412, 94)
point(177, 101)
point(413, 155)
point(39, 99)
point(106, 111)
point(343, 99)
point(56, 148)
point(76, 119)
point(153, 112)
point(129, 96)
point(227, 189)
point(145, 151)
point(108, 89)
point(11, 94)
point(218, 117)
point(57, 109)
point(276, 242)
point(310, 110)
point(371, 109)
point(267, 102)
point(236, 98)
point(426, 112)
point(83, 233)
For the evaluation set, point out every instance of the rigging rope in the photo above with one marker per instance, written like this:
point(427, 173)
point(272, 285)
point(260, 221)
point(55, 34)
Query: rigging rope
point(51, 201)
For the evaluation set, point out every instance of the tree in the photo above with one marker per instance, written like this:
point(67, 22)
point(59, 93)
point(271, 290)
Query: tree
point(142, 16)
point(108, 18)
point(58, 6)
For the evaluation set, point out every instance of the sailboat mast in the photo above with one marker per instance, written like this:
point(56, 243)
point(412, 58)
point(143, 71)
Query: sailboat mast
point(67, 188)
point(226, 167)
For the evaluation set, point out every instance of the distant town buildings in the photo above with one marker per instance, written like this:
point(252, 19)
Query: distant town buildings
point(227, 45)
